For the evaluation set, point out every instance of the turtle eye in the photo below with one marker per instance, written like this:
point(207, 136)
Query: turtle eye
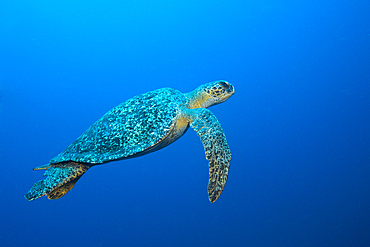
point(224, 84)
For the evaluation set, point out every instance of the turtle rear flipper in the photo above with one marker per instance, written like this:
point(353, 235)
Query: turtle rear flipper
point(60, 179)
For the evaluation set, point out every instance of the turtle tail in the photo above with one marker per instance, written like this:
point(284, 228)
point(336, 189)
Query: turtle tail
point(60, 178)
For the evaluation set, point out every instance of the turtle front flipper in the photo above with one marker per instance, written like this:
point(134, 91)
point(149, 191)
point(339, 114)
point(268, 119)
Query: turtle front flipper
point(61, 178)
point(217, 151)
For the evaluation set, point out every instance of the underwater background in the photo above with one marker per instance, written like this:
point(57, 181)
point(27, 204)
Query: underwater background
point(297, 126)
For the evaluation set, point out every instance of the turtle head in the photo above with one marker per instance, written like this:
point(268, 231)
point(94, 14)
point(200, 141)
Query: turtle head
point(210, 94)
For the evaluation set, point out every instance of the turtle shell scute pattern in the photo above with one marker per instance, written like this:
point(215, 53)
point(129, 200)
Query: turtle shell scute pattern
point(128, 129)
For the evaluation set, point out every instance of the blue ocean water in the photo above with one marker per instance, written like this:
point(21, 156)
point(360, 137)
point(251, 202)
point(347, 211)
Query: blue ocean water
point(297, 126)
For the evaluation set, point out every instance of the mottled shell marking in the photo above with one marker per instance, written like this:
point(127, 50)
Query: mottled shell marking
point(128, 129)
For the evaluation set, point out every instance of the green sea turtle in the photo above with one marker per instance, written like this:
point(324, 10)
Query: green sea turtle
point(144, 124)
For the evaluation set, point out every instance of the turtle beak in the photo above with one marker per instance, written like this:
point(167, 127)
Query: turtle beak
point(228, 87)
point(231, 90)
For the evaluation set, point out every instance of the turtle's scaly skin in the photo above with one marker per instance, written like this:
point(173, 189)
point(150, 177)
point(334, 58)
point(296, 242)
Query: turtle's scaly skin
point(218, 153)
point(66, 173)
point(143, 124)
